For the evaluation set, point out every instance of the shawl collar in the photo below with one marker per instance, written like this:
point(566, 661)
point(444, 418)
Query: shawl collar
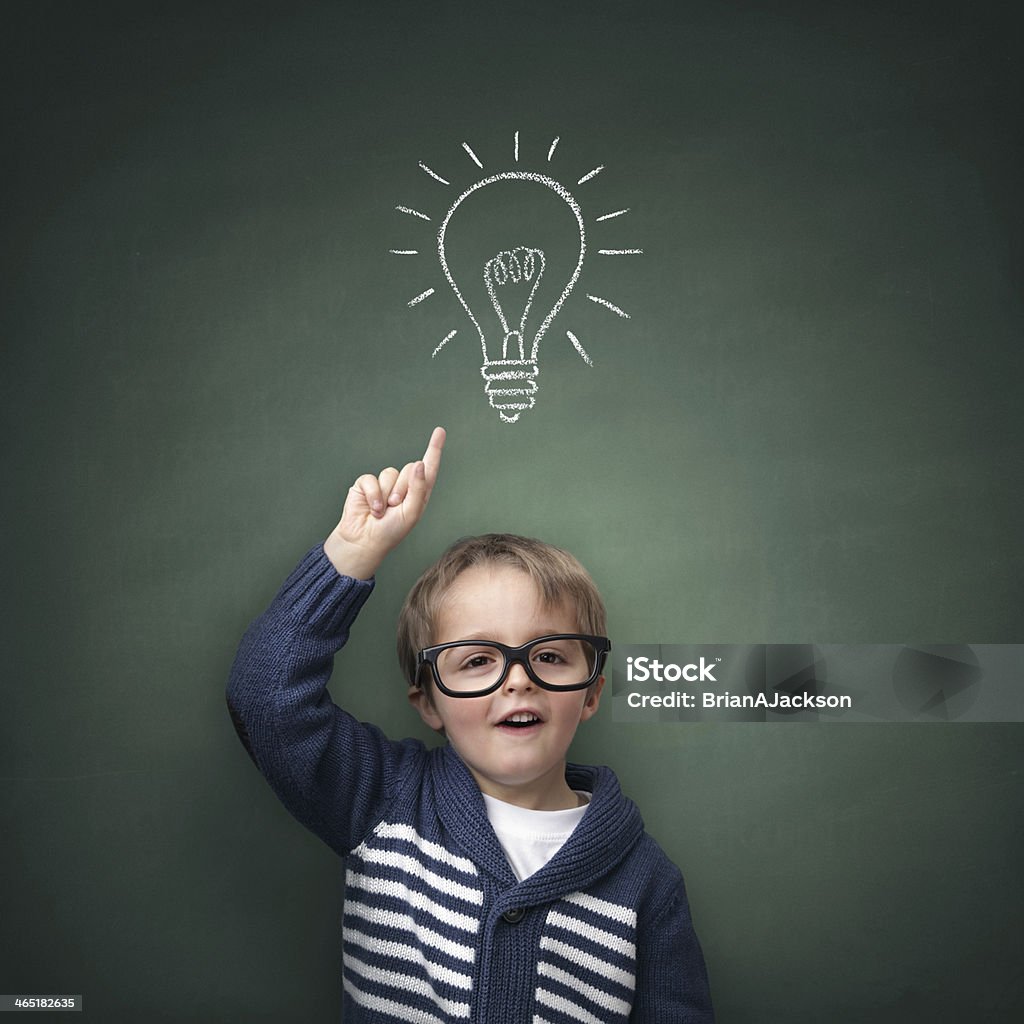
point(608, 831)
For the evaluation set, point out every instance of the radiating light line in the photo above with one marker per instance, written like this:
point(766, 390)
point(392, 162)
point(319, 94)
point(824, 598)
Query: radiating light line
point(590, 174)
point(517, 147)
point(472, 155)
point(430, 291)
point(410, 210)
point(617, 213)
point(448, 337)
point(579, 348)
point(404, 252)
point(610, 305)
point(620, 252)
point(433, 174)
point(552, 149)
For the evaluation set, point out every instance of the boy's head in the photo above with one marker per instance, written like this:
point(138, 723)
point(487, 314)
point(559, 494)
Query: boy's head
point(557, 575)
point(510, 590)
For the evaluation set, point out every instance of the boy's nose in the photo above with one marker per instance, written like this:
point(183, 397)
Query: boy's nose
point(517, 679)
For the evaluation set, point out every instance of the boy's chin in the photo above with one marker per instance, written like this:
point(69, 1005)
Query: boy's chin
point(527, 781)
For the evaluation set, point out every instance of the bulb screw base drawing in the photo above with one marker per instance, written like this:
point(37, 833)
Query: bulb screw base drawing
point(510, 385)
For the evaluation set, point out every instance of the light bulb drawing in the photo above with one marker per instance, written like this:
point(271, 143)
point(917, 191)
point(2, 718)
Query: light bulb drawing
point(511, 247)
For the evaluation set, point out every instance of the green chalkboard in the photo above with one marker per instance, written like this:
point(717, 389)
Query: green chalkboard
point(800, 423)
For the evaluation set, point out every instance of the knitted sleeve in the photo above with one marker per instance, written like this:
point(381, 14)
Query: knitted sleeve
point(672, 981)
point(331, 772)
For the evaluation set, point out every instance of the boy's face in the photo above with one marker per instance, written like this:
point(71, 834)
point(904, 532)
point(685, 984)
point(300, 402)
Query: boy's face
point(524, 766)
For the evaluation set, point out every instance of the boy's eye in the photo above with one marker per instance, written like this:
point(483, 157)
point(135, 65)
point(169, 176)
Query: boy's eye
point(476, 661)
point(550, 657)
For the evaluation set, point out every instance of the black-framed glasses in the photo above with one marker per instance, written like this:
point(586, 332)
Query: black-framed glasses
point(475, 668)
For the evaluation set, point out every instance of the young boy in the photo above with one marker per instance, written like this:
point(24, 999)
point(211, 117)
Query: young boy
point(486, 880)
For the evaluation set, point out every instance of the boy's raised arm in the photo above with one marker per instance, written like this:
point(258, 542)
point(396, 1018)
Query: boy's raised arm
point(329, 770)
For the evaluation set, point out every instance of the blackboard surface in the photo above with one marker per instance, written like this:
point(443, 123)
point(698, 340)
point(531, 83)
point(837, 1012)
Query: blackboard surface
point(807, 429)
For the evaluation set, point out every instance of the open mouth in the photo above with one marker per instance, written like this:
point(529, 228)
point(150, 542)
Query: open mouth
point(520, 720)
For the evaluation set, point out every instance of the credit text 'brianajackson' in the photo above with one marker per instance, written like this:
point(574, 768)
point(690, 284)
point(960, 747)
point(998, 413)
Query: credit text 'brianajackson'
point(770, 702)
point(774, 700)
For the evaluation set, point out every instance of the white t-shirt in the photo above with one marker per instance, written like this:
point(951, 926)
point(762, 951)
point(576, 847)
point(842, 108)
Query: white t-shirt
point(531, 838)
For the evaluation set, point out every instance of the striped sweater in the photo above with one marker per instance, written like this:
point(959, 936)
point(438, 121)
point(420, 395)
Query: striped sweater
point(437, 928)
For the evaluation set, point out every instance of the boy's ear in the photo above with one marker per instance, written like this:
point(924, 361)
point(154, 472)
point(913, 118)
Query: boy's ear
point(590, 705)
point(419, 698)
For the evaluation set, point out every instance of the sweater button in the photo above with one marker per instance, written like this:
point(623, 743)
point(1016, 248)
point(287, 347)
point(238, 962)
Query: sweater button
point(515, 915)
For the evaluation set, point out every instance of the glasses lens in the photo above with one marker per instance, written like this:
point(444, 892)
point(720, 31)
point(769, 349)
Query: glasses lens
point(473, 667)
point(563, 662)
point(470, 667)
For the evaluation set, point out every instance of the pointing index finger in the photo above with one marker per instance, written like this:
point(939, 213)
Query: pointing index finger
point(432, 456)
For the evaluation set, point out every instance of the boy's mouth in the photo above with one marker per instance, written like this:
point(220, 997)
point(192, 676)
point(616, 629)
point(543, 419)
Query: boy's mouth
point(519, 721)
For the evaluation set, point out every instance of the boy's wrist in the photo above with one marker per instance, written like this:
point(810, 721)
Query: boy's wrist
point(350, 560)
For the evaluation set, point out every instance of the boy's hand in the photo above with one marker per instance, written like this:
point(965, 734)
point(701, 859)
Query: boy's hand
point(380, 510)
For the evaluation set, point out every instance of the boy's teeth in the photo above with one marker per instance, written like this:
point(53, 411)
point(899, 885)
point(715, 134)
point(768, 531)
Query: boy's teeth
point(522, 716)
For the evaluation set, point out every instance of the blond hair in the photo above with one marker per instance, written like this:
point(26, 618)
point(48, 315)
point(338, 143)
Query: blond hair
point(558, 576)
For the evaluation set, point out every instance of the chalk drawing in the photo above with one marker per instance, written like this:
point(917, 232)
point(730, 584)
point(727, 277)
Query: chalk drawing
point(434, 174)
point(473, 156)
point(579, 348)
point(414, 213)
point(444, 341)
point(421, 296)
point(511, 383)
point(517, 266)
point(610, 305)
point(512, 277)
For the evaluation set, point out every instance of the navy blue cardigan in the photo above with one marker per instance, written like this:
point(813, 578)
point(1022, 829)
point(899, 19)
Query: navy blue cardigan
point(436, 927)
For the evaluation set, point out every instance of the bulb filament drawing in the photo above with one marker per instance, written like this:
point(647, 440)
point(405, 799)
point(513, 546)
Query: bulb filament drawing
point(511, 381)
point(501, 286)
